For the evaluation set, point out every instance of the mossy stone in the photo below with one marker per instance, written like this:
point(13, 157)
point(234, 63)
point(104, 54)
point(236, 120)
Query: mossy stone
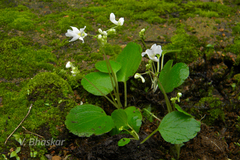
point(52, 99)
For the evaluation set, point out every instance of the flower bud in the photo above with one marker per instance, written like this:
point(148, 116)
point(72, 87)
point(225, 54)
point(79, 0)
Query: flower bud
point(137, 75)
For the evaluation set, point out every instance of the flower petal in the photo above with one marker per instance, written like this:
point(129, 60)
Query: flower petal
point(75, 29)
point(81, 38)
point(121, 21)
point(74, 38)
point(70, 33)
point(112, 19)
point(68, 65)
point(143, 54)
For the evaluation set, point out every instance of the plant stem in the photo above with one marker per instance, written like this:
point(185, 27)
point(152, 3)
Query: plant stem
point(133, 133)
point(102, 93)
point(162, 61)
point(149, 136)
point(144, 43)
point(151, 114)
point(178, 148)
point(169, 107)
point(125, 93)
point(114, 81)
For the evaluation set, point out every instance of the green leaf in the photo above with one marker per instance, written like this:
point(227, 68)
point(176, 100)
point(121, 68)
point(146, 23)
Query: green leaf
point(164, 52)
point(120, 118)
point(101, 80)
point(18, 149)
point(33, 154)
point(13, 154)
point(102, 66)
point(172, 77)
point(86, 120)
point(176, 127)
point(134, 118)
point(130, 59)
point(181, 110)
point(123, 141)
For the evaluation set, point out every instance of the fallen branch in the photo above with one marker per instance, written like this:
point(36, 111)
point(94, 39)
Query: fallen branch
point(32, 133)
point(19, 124)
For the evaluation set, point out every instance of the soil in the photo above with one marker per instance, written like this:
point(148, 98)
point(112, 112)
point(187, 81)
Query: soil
point(213, 142)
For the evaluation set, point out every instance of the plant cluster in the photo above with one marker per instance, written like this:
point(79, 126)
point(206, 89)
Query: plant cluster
point(87, 119)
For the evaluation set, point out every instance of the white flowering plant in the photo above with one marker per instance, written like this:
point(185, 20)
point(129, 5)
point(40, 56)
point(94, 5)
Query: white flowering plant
point(87, 119)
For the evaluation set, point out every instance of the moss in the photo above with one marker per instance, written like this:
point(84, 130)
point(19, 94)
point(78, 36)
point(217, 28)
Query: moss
point(17, 18)
point(51, 97)
point(214, 109)
point(23, 24)
point(236, 29)
point(112, 50)
point(188, 44)
point(12, 43)
point(234, 48)
point(24, 61)
point(237, 78)
point(207, 13)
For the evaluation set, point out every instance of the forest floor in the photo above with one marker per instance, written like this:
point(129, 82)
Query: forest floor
point(33, 41)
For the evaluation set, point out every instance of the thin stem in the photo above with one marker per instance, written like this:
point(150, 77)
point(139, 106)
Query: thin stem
point(169, 107)
point(114, 81)
point(162, 61)
point(178, 148)
point(144, 43)
point(133, 133)
point(125, 93)
point(151, 114)
point(103, 94)
point(149, 136)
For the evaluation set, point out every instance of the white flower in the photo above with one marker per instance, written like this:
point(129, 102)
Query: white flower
point(111, 31)
point(113, 20)
point(143, 30)
point(179, 94)
point(76, 34)
point(141, 33)
point(138, 75)
point(155, 49)
point(74, 71)
point(102, 32)
point(100, 37)
point(69, 64)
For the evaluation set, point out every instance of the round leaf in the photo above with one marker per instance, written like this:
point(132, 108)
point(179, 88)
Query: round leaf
point(134, 118)
point(86, 120)
point(123, 141)
point(181, 110)
point(102, 66)
point(172, 77)
point(101, 80)
point(176, 127)
point(120, 118)
point(130, 59)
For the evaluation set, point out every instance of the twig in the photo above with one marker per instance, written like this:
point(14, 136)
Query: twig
point(32, 132)
point(19, 124)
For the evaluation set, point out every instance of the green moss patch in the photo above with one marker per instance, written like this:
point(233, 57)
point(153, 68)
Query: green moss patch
point(18, 61)
point(19, 18)
point(51, 97)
